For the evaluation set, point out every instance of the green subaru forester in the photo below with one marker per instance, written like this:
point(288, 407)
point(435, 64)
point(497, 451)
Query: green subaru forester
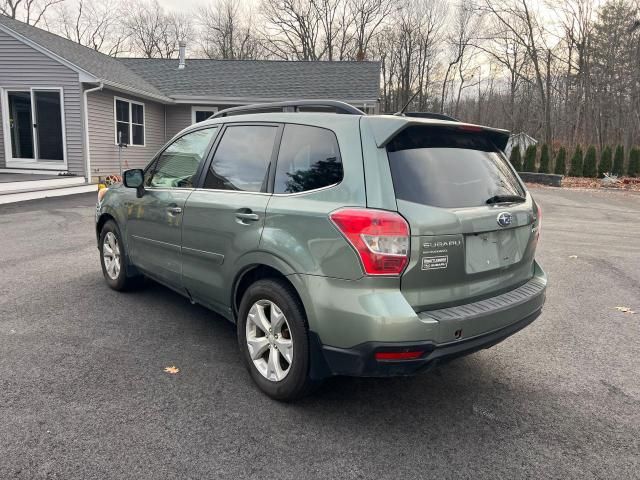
point(338, 243)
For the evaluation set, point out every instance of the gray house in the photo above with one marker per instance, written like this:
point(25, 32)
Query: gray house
point(64, 107)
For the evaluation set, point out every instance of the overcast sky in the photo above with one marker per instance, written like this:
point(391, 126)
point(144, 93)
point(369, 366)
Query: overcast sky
point(187, 5)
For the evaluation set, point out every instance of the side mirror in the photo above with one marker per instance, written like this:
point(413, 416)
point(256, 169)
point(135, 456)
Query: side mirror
point(134, 179)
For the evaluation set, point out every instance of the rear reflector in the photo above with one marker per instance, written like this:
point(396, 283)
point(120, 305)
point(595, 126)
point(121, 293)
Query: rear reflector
point(398, 355)
point(380, 238)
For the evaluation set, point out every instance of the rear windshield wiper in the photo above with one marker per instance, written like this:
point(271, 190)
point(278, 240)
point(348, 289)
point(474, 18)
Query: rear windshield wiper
point(505, 199)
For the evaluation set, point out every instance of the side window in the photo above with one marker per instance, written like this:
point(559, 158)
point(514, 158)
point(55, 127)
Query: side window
point(129, 122)
point(309, 158)
point(241, 161)
point(178, 164)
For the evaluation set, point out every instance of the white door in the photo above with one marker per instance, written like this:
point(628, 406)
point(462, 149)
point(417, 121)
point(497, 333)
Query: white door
point(33, 122)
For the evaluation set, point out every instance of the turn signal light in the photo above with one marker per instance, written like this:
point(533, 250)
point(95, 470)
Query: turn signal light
point(398, 355)
point(380, 238)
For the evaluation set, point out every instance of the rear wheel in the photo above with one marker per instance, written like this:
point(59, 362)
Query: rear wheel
point(273, 339)
point(114, 260)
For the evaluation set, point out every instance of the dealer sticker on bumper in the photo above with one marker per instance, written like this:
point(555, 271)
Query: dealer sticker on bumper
point(432, 263)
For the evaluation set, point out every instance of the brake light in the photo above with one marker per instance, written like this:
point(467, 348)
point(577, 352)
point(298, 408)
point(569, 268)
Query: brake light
point(380, 238)
point(398, 355)
point(469, 128)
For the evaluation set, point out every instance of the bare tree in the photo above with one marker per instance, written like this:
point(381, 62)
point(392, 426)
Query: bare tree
point(501, 47)
point(433, 14)
point(178, 28)
point(227, 31)
point(154, 33)
point(408, 48)
point(467, 22)
point(368, 15)
point(518, 17)
point(335, 21)
point(292, 29)
point(29, 11)
point(93, 24)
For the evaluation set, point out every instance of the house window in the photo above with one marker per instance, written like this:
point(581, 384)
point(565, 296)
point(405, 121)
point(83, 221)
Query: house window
point(129, 122)
point(200, 114)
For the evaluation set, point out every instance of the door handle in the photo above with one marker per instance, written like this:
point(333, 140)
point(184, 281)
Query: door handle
point(247, 216)
point(174, 210)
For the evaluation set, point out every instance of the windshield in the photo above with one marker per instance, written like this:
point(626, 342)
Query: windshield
point(449, 167)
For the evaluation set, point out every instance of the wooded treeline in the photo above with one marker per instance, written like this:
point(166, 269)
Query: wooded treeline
point(566, 72)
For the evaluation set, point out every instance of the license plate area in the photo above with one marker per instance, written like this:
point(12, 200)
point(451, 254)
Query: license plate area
point(491, 250)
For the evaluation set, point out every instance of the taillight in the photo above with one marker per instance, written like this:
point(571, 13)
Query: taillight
point(381, 238)
point(538, 221)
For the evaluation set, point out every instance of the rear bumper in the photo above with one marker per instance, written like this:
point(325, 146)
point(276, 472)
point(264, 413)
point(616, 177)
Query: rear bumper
point(360, 360)
point(453, 332)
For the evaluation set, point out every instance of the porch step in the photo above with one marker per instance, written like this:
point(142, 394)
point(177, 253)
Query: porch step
point(45, 192)
point(31, 182)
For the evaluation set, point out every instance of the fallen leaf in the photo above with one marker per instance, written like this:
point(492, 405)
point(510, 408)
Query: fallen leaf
point(573, 256)
point(172, 369)
point(625, 310)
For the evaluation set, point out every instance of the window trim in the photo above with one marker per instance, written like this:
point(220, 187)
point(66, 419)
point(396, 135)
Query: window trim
point(205, 158)
point(216, 144)
point(130, 122)
point(201, 108)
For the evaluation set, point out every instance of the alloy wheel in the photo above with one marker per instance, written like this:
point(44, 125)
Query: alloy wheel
point(269, 340)
point(111, 255)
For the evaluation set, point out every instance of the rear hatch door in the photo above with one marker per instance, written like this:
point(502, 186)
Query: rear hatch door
point(473, 227)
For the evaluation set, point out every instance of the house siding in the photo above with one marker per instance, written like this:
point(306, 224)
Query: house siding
point(104, 152)
point(179, 116)
point(23, 66)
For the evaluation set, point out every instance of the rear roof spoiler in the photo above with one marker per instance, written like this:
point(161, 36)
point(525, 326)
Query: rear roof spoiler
point(385, 127)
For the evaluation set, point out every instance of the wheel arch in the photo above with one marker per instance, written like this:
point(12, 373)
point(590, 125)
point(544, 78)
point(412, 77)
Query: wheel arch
point(104, 218)
point(254, 269)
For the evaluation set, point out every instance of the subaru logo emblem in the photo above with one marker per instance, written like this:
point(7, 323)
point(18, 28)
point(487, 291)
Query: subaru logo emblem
point(504, 219)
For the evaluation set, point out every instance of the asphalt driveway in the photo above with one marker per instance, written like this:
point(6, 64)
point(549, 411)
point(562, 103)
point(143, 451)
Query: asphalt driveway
point(83, 393)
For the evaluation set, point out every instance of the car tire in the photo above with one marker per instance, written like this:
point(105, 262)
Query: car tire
point(275, 295)
point(114, 260)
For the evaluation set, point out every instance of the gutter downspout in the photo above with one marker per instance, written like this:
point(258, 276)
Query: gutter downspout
point(87, 146)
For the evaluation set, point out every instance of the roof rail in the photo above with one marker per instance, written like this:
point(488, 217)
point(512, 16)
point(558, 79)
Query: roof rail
point(290, 106)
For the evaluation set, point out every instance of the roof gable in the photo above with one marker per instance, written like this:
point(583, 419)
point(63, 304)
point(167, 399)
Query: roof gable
point(80, 58)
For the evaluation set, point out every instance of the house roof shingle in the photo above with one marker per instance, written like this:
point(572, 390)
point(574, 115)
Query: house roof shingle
point(265, 79)
point(241, 79)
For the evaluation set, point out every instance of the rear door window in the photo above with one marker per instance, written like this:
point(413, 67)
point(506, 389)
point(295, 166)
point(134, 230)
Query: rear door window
point(242, 159)
point(309, 158)
point(450, 168)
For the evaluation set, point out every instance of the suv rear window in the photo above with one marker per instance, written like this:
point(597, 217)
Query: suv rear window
point(449, 168)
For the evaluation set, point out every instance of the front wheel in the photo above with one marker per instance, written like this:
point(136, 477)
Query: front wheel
point(113, 259)
point(273, 339)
